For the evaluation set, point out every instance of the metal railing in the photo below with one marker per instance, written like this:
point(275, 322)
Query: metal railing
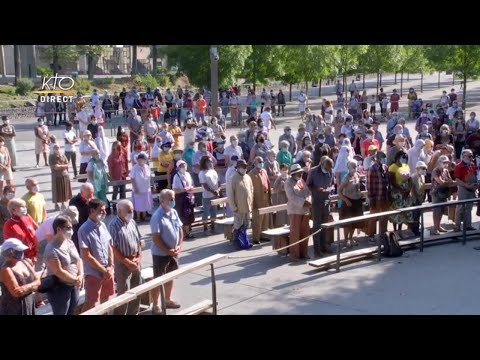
point(428, 206)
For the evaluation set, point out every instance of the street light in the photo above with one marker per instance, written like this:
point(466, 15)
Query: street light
point(214, 77)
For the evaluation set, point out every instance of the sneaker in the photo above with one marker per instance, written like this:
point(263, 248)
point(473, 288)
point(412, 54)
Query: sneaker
point(37, 166)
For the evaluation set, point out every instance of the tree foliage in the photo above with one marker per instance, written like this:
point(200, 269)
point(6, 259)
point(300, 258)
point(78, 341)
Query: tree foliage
point(58, 55)
point(264, 63)
point(194, 61)
point(92, 52)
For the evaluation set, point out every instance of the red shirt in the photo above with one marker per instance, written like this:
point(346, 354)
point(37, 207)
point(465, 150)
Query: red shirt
point(366, 144)
point(466, 173)
point(22, 229)
point(116, 166)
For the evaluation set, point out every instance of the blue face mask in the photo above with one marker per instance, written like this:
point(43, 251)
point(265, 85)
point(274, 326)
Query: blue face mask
point(171, 204)
point(467, 162)
point(18, 255)
point(260, 165)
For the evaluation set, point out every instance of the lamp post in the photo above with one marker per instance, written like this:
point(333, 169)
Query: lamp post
point(214, 77)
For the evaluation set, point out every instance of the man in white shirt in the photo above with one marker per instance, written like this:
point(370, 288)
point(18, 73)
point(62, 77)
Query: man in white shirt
point(190, 130)
point(267, 118)
point(82, 117)
point(94, 98)
point(233, 150)
point(70, 148)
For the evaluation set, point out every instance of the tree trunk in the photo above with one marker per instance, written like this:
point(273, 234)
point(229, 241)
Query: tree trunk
point(154, 60)
point(18, 62)
point(55, 59)
point(2, 62)
point(306, 88)
point(421, 83)
point(439, 79)
point(453, 79)
point(134, 59)
point(381, 79)
point(345, 83)
point(90, 66)
point(378, 79)
point(395, 78)
point(290, 94)
point(464, 100)
point(364, 80)
point(408, 76)
point(320, 88)
point(254, 79)
point(401, 84)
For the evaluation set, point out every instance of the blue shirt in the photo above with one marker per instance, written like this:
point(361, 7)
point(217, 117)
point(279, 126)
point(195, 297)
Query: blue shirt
point(168, 226)
point(97, 239)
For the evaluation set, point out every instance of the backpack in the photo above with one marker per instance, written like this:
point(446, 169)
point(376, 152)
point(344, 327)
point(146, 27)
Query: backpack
point(391, 247)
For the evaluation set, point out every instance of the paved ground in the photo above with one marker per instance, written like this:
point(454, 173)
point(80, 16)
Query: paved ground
point(434, 282)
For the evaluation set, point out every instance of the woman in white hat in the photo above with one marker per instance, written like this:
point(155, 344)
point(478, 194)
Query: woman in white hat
point(87, 148)
point(182, 185)
point(18, 280)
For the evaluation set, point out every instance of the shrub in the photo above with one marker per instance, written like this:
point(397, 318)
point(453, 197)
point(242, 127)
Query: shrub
point(44, 72)
point(145, 81)
point(24, 86)
point(7, 90)
point(82, 85)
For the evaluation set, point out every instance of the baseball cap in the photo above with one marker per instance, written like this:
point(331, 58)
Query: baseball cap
point(14, 244)
point(181, 162)
point(372, 148)
point(241, 162)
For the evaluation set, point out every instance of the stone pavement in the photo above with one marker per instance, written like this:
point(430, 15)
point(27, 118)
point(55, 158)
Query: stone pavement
point(436, 281)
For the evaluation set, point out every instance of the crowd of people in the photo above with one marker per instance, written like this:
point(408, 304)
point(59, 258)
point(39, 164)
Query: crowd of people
point(175, 138)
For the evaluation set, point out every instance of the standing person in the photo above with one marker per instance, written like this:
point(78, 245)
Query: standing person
point(167, 236)
point(80, 201)
point(466, 178)
point(262, 197)
point(418, 193)
point(8, 132)
point(279, 196)
point(87, 149)
point(97, 254)
point(18, 280)
point(401, 186)
point(298, 210)
point(117, 169)
point(41, 141)
point(71, 142)
point(319, 182)
point(61, 187)
point(135, 126)
point(441, 182)
point(127, 255)
point(208, 178)
point(281, 103)
point(116, 103)
point(98, 177)
point(35, 201)
point(240, 199)
point(142, 194)
point(302, 104)
point(8, 194)
point(63, 261)
point(5, 166)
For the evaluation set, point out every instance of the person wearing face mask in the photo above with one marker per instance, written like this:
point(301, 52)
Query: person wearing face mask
point(370, 158)
point(189, 131)
point(459, 131)
point(287, 136)
point(284, 156)
point(320, 182)
point(93, 126)
point(240, 195)
point(219, 155)
point(98, 176)
point(301, 135)
point(262, 197)
point(134, 123)
point(422, 120)
point(167, 236)
point(141, 191)
point(175, 131)
point(233, 150)
point(172, 168)
point(441, 183)
point(61, 186)
point(18, 280)
point(416, 154)
point(80, 202)
point(182, 185)
point(5, 165)
point(165, 158)
point(7, 131)
point(97, 255)
point(472, 124)
point(208, 178)
point(370, 140)
point(452, 109)
point(424, 134)
point(35, 201)
point(42, 136)
point(259, 149)
point(8, 194)
point(21, 226)
point(378, 185)
point(127, 255)
point(398, 146)
point(202, 151)
point(87, 148)
point(466, 177)
point(218, 131)
point(271, 166)
point(279, 197)
point(444, 137)
point(298, 209)
point(64, 262)
point(418, 193)
point(401, 186)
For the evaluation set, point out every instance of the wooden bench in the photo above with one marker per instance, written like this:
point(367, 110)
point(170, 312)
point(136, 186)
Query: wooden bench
point(227, 224)
point(204, 307)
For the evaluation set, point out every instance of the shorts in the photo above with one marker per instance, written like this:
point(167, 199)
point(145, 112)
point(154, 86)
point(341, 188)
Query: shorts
point(98, 289)
point(6, 175)
point(163, 265)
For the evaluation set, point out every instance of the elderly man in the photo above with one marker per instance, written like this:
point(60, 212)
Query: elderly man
point(97, 254)
point(127, 254)
point(319, 182)
point(466, 178)
point(262, 197)
point(298, 210)
point(240, 198)
point(80, 201)
point(167, 236)
point(36, 206)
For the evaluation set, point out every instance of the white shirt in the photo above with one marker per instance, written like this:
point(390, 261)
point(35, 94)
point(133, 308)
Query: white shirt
point(94, 99)
point(181, 182)
point(231, 151)
point(82, 121)
point(84, 147)
point(189, 135)
point(209, 177)
point(142, 179)
point(267, 118)
point(70, 136)
point(228, 176)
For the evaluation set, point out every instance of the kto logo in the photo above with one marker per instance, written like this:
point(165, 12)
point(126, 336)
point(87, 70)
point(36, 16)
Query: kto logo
point(60, 85)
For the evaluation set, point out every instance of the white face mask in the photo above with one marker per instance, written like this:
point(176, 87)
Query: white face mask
point(36, 188)
point(40, 123)
point(23, 211)
point(444, 132)
point(177, 156)
point(10, 195)
point(284, 173)
point(182, 171)
point(94, 122)
point(68, 234)
point(234, 143)
point(129, 217)
point(100, 217)
point(403, 161)
point(423, 172)
point(242, 171)
point(6, 122)
point(370, 137)
point(324, 171)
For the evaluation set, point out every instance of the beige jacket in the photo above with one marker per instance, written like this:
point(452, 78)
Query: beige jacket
point(240, 193)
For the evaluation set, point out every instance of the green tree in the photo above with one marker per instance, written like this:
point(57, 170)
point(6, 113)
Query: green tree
point(414, 60)
point(346, 59)
point(194, 61)
point(154, 55)
point(264, 63)
point(92, 52)
point(134, 60)
point(59, 54)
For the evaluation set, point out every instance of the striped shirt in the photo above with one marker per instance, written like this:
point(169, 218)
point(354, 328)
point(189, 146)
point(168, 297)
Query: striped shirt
point(126, 237)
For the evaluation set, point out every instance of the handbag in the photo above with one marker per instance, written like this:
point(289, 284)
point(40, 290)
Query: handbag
point(48, 284)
